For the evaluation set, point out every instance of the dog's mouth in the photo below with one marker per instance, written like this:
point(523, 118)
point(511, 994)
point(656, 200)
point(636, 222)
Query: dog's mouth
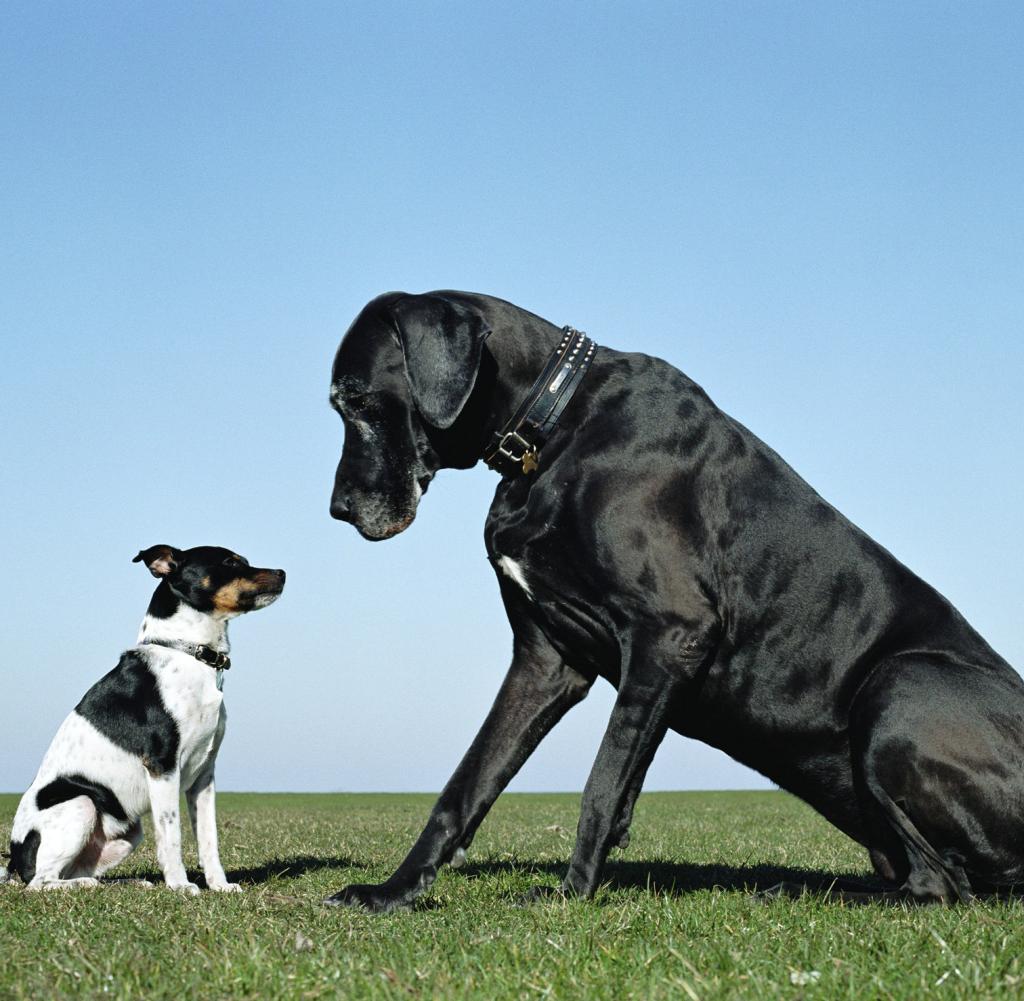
point(379, 534)
point(269, 584)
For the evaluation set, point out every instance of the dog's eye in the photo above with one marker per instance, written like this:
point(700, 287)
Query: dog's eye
point(232, 561)
point(357, 404)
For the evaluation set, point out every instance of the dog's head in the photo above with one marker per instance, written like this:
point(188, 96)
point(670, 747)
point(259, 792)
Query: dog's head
point(213, 580)
point(403, 375)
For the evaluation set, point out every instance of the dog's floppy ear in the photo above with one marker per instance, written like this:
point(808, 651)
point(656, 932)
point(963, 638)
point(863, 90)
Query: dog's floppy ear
point(161, 560)
point(442, 341)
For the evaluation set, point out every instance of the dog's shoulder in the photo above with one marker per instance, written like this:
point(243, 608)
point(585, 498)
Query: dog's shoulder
point(127, 707)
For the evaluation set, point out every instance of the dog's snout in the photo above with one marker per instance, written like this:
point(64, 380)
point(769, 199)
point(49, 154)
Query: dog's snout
point(279, 574)
point(341, 507)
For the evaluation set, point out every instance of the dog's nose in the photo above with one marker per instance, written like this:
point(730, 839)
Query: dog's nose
point(278, 573)
point(341, 507)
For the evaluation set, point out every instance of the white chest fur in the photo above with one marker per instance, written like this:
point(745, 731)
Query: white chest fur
point(190, 693)
point(510, 568)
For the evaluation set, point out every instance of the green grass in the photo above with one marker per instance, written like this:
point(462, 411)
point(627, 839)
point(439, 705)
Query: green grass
point(675, 919)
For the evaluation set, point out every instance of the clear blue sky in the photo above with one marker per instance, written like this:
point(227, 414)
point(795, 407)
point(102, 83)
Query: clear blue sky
point(813, 209)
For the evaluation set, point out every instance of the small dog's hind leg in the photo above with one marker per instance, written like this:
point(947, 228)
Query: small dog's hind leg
point(117, 849)
point(67, 849)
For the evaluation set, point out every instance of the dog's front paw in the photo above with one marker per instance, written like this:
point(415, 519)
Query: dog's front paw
point(189, 889)
point(224, 887)
point(375, 898)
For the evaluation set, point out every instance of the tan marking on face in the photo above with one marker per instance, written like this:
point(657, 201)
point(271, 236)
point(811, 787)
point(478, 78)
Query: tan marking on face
point(227, 597)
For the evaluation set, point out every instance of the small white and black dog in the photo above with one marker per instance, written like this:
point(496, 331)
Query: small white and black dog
point(144, 733)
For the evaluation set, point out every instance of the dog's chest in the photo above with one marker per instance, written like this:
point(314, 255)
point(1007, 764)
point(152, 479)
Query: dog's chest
point(558, 600)
point(190, 694)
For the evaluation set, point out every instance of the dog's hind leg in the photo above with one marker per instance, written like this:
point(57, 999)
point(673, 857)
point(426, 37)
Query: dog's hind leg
point(933, 776)
point(115, 850)
point(66, 853)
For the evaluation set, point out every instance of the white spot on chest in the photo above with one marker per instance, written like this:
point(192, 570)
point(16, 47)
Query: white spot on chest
point(510, 568)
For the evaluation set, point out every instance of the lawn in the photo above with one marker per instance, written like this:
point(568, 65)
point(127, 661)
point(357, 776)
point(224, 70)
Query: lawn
point(676, 918)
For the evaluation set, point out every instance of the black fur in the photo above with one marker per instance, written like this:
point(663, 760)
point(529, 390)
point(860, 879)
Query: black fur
point(60, 790)
point(164, 602)
point(668, 550)
point(125, 706)
point(23, 856)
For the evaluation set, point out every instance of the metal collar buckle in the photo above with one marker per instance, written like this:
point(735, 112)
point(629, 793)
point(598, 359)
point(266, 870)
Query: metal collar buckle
point(527, 456)
point(209, 656)
point(517, 445)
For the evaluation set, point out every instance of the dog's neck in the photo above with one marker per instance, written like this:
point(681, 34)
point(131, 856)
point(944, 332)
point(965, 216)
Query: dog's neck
point(519, 360)
point(170, 619)
point(512, 359)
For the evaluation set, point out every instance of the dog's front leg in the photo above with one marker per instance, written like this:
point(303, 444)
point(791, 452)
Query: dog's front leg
point(651, 680)
point(164, 798)
point(202, 812)
point(538, 690)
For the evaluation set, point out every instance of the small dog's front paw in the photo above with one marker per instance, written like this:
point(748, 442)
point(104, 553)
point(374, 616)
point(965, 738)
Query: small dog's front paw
point(369, 897)
point(224, 887)
point(190, 889)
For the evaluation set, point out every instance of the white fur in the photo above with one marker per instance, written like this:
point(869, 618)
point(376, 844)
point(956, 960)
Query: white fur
point(511, 569)
point(76, 845)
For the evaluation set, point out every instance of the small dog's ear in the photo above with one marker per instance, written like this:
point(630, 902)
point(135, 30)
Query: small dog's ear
point(161, 560)
point(442, 341)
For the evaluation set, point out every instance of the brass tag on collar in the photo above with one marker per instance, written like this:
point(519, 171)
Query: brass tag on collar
point(530, 460)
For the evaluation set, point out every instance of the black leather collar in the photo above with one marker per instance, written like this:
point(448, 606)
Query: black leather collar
point(203, 653)
point(516, 447)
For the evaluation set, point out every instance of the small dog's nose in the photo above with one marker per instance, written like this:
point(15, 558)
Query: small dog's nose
point(278, 573)
point(341, 507)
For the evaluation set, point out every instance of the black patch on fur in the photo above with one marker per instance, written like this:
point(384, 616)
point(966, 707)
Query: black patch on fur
point(164, 602)
point(126, 707)
point(23, 856)
point(67, 787)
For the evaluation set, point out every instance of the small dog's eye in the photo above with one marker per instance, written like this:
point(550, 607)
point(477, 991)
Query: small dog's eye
point(231, 561)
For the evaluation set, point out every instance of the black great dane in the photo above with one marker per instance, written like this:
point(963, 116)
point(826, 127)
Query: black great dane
point(644, 536)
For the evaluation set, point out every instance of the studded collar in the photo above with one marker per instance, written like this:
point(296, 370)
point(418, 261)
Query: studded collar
point(515, 449)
